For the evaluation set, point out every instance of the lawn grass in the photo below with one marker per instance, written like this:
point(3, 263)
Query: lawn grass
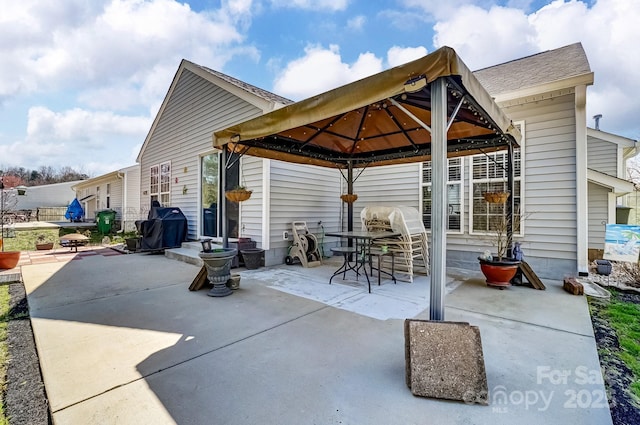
point(624, 318)
point(4, 319)
point(25, 240)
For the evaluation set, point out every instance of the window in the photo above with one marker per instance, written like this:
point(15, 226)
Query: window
point(160, 183)
point(108, 195)
point(454, 194)
point(489, 174)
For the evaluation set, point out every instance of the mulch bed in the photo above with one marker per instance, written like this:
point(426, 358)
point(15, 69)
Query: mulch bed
point(25, 398)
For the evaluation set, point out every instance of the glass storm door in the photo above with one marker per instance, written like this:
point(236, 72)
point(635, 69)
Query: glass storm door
point(211, 194)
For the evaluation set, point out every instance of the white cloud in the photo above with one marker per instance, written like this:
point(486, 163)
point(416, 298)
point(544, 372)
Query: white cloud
point(331, 5)
point(356, 23)
point(400, 55)
point(322, 69)
point(607, 30)
point(83, 127)
point(486, 37)
point(444, 9)
point(72, 44)
point(80, 139)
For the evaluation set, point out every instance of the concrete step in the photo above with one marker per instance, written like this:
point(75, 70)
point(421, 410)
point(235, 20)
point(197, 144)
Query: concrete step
point(188, 252)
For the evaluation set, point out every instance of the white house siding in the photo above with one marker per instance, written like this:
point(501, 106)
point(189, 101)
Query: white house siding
point(598, 215)
point(100, 185)
point(49, 195)
point(131, 198)
point(301, 193)
point(391, 185)
point(550, 240)
point(251, 213)
point(195, 109)
point(602, 156)
point(116, 196)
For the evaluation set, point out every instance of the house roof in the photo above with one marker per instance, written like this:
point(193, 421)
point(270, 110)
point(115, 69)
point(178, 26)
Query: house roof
point(267, 95)
point(379, 120)
point(622, 141)
point(111, 176)
point(535, 70)
point(618, 186)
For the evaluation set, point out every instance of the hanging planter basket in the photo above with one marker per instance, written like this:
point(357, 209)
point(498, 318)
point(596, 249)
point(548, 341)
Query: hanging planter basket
point(496, 197)
point(349, 198)
point(238, 195)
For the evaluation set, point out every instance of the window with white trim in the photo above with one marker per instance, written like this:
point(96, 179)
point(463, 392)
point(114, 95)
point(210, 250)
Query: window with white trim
point(160, 183)
point(108, 195)
point(488, 173)
point(454, 194)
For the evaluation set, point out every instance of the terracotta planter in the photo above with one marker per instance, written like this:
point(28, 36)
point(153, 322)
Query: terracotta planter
point(9, 259)
point(44, 246)
point(238, 195)
point(349, 198)
point(499, 273)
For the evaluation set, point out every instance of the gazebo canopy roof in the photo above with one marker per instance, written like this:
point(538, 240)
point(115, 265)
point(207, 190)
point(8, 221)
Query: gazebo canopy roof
point(379, 120)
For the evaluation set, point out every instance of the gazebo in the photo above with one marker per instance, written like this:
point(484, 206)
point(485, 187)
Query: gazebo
point(428, 109)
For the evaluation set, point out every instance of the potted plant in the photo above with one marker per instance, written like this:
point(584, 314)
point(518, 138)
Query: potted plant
point(8, 202)
point(133, 242)
point(42, 244)
point(500, 268)
point(238, 194)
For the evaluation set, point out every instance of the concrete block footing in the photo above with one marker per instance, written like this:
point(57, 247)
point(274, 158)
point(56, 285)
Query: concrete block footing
point(444, 360)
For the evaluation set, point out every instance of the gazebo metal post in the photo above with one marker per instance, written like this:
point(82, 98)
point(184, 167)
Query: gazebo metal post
point(510, 205)
point(350, 191)
point(222, 200)
point(438, 198)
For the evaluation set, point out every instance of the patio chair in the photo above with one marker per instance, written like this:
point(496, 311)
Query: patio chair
point(410, 249)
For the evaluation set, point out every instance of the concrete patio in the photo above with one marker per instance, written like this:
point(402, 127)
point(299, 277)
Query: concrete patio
point(122, 340)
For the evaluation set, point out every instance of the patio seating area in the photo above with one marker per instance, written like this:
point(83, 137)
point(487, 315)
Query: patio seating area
point(123, 337)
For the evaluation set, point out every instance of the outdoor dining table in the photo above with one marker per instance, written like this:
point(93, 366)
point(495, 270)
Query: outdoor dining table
point(363, 240)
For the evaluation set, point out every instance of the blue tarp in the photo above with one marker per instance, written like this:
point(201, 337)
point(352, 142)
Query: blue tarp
point(74, 211)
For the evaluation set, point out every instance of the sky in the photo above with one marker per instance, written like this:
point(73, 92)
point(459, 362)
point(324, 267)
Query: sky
point(81, 81)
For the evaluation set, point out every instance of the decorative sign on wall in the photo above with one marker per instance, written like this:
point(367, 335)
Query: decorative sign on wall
point(622, 242)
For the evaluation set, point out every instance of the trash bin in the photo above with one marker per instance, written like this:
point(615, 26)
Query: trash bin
point(105, 219)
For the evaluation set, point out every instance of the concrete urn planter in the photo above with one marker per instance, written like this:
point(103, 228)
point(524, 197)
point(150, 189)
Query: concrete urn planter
point(218, 265)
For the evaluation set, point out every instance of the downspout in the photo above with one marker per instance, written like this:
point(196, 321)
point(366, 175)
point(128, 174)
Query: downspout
point(582, 202)
point(123, 177)
point(510, 205)
point(266, 204)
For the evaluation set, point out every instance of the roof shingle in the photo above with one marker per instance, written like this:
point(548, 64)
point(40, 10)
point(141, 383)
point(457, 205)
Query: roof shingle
point(534, 70)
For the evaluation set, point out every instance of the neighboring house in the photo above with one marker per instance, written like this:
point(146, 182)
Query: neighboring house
point(118, 191)
point(544, 94)
point(607, 156)
point(48, 195)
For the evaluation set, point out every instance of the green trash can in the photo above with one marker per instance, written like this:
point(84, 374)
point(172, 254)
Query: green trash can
point(105, 219)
